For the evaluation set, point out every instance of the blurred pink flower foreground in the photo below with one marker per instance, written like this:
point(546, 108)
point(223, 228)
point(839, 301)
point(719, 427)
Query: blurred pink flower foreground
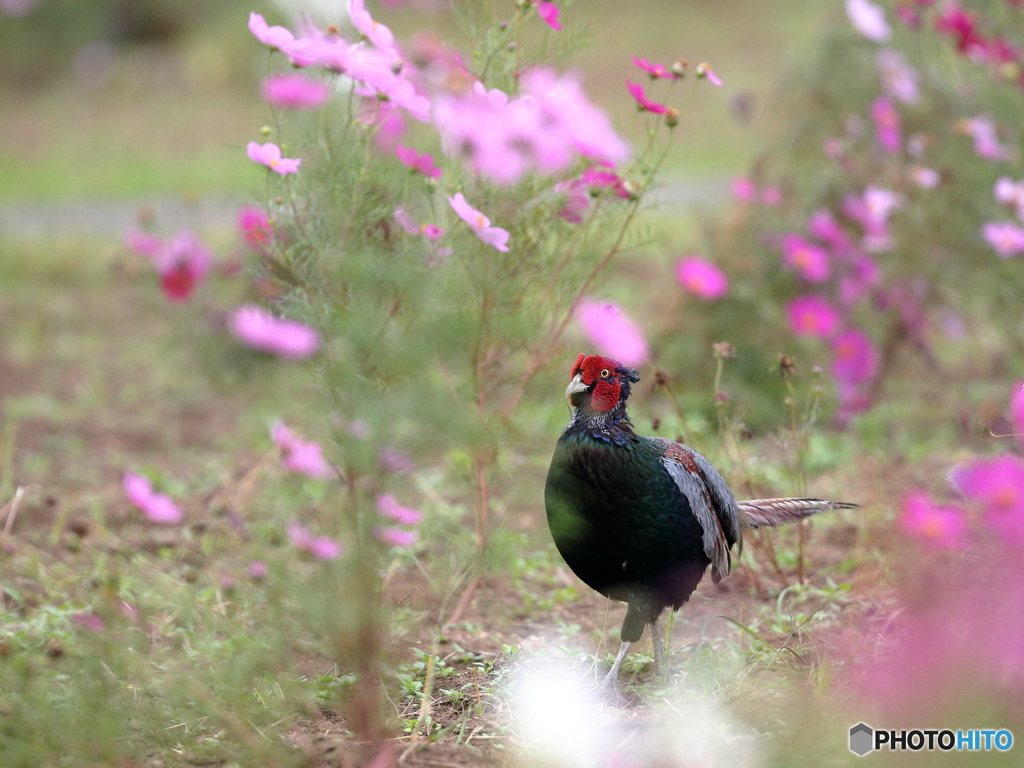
point(157, 507)
point(702, 278)
point(302, 457)
point(295, 91)
point(256, 328)
point(938, 527)
point(612, 332)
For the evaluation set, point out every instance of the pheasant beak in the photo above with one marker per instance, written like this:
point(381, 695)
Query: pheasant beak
point(576, 385)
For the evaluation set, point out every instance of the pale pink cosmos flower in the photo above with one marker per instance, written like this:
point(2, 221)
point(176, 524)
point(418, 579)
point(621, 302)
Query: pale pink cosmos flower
point(702, 278)
point(406, 222)
point(424, 163)
point(868, 19)
point(872, 210)
point(386, 85)
point(705, 71)
point(319, 547)
point(89, 620)
point(303, 457)
point(862, 275)
point(549, 13)
point(270, 155)
point(396, 537)
point(255, 227)
point(809, 260)
point(924, 177)
point(899, 79)
point(157, 507)
point(256, 328)
point(257, 570)
point(182, 264)
point(295, 91)
point(389, 507)
point(643, 103)
point(935, 526)
point(887, 124)
point(1017, 410)
point(612, 331)
point(275, 37)
point(655, 70)
point(394, 460)
point(998, 485)
point(141, 243)
point(1006, 237)
point(1011, 193)
point(856, 357)
point(986, 140)
point(743, 189)
point(576, 202)
point(374, 31)
point(496, 237)
point(812, 316)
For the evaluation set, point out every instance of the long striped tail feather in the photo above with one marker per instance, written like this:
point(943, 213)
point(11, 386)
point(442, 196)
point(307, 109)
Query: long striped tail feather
point(758, 513)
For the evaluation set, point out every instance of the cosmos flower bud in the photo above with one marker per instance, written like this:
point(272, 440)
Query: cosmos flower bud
point(786, 364)
point(679, 68)
point(633, 189)
point(672, 117)
point(265, 131)
point(723, 350)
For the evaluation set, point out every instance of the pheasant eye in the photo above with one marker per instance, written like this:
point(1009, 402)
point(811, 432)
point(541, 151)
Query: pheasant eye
point(605, 373)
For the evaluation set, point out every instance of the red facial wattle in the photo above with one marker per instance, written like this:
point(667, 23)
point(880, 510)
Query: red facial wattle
point(600, 374)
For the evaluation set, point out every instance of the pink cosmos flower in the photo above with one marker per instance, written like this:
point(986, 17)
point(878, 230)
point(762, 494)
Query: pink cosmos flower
point(424, 163)
point(394, 460)
point(862, 274)
point(303, 457)
point(549, 13)
point(396, 537)
point(655, 70)
point(986, 140)
point(1017, 410)
point(576, 200)
point(496, 237)
point(743, 189)
point(256, 328)
point(257, 570)
point(812, 316)
point(642, 102)
point(823, 225)
point(705, 71)
point(810, 260)
point(899, 79)
point(270, 155)
point(1010, 193)
point(872, 210)
point(182, 264)
point(255, 227)
point(601, 178)
point(868, 19)
point(406, 222)
point(954, 21)
point(997, 484)
point(374, 31)
point(937, 527)
point(295, 91)
point(887, 124)
point(702, 278)
point(612, 331)
point(1006, 237)
point(388, 507)
point(319, 547)
point(89, 620)
point(141, 243)
point(924, 177)
point(157, 507)
point(275, 38)
point(856, 357)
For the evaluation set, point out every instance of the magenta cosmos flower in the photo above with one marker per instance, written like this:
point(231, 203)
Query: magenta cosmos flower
point(549, 14)
point(887, 124)
point(256, 328)
point(389, 507)
point(808, 259)
point(157, 507)
point(856, 358)
point(396, 537)
point(655, 71)
point(1017, 410)
point(612, 331)
point(303, 457)
point(424, 163)
point(935, 526)
point(255, 227)
point(496, 237)
point(275, 38)
point(1006, 237)
point(998, 485)
point(812, 316)
point(270, 155)
point(319, 547)
point(182, 264)
point(868, 19)
point(643, 103)
point(295, 91)
point(702, 278)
